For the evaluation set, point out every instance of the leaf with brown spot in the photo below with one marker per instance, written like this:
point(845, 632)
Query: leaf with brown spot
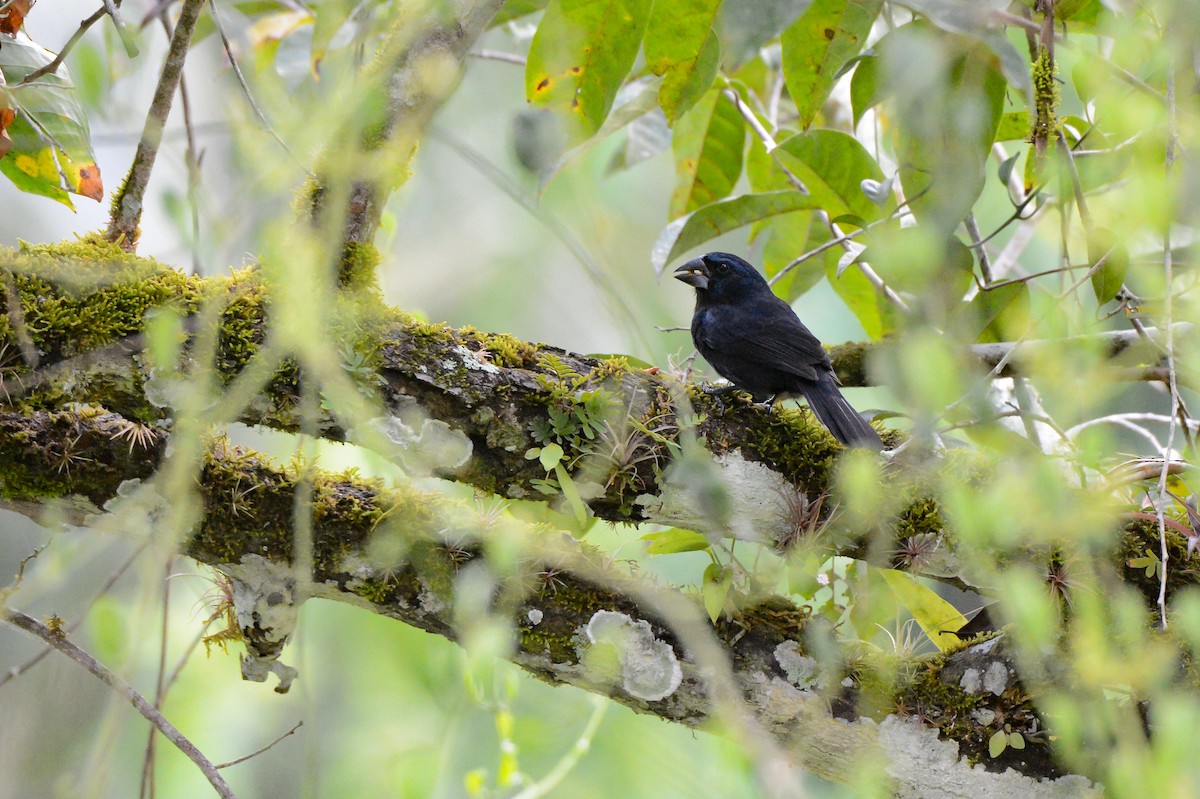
point(580, 56)
point(818, 45)
point(7, 115)
point(49, 148)
point(12, 15)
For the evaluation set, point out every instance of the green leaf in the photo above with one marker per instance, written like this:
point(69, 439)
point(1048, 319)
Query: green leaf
point(1016, 740)
point(634, 100)
point(875, 312)
point(1108, 279)
point(330, 16)
point(580, 55)
point(865, 88)
point(745, 27)
point(708, 143)
point(550, 456)
point(680, 45)
point(787, 236)
point(997, 743)
point(714, 589)
point(676, 539)
point(996, 314)
point(937, 617)
point(51, 151)
point(832, 165)
point(515, 9)
point(818, 44)
point(713, 220)
point(935, 78)
point(571, 493)
point(1014, 126)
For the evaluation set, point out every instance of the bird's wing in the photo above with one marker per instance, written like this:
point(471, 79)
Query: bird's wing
point(772, 337)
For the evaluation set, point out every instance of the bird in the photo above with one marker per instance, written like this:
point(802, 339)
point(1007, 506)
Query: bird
point(755, 340)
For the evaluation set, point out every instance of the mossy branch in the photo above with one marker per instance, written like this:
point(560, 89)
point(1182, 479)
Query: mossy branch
point(94, 413)
point(413, 72)
point(405, 553)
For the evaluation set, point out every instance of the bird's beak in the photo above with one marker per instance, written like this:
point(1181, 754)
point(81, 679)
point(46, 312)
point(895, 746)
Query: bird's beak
point(694, 273)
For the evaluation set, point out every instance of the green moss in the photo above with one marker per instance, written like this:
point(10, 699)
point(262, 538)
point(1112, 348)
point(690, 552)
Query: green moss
point(78, 295)
point(790, 439)
point(1141, 542)
point(509, 351)
point(1046, 96)
point(850, 362)
point(359, 267)
point(774, 620)
point(82, 449)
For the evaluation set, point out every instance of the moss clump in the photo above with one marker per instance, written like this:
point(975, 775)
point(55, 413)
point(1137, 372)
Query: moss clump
point(850, 362)
point(509, 351)
point(83, 449)
point(770, 622)
point(1046, 97)
point(793, 443)
point(1140, 542)
point(78, 295)
point(359, 268)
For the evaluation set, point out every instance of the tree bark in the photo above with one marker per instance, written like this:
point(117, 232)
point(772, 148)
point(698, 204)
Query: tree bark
point(90, 427)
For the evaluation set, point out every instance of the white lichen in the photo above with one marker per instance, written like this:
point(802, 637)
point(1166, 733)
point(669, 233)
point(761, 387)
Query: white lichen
point(535, 617)
point(756, 499)
point(649, 668)
point(983, 717)
point(267, 603)
point(995, 679)
point(435, 444)
point(971, 682)
point(801, 670)
point(472, 362)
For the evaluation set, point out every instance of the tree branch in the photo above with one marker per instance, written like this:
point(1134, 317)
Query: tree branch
point(127, 204)
point(59, 641)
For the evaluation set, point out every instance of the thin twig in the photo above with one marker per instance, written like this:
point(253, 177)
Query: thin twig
point(191, 155)
point(58, 640)
point(1168, 314)
point(839, 236)
point(241, 79)
point(127, 37)
point(147, 789)
point(127, 207)
point(1044, 273)
point(66, 48)
point(985, 264)
point(571, 759)
point(498, 55)
point(258, 752)
point(17, 671)
point(840, 240)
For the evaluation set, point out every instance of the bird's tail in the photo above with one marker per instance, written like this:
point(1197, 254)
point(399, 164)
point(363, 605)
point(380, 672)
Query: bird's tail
point(839, 416)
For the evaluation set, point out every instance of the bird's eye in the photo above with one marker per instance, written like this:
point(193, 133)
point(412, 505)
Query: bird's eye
point(722, 267)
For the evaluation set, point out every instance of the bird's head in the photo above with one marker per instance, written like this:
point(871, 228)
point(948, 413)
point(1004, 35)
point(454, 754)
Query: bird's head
point(720, 276)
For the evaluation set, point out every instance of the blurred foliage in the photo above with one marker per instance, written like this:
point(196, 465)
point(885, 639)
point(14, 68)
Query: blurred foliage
point(948, 174)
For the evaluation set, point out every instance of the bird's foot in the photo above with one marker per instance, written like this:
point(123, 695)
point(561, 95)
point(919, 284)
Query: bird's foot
point(717, 392)
point(769, 403)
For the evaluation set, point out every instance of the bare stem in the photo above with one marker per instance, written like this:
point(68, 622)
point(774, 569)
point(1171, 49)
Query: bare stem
point(1168, 313)
point(127, 205)
point(262, 749)
point(58, 640)
point(62, 54)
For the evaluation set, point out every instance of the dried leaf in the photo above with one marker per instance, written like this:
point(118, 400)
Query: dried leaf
point(12, 15)
point(7, 115)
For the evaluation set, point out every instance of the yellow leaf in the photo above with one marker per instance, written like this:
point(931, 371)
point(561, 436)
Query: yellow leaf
point(937, 617)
